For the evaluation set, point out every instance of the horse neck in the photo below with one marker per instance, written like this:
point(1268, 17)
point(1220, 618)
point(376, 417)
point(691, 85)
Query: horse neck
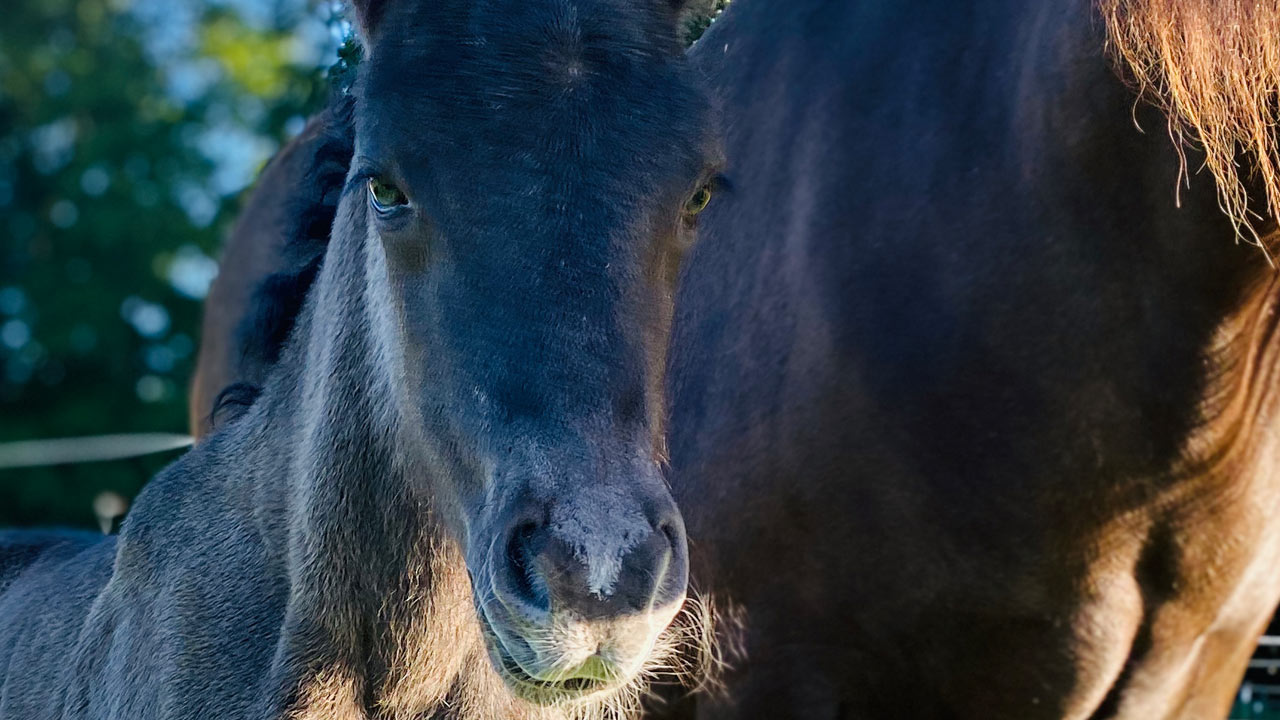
point(365, 559)
point(1109, 221)
point(1050, 137)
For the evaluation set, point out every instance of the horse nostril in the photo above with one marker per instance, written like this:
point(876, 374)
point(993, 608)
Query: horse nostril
point(673, 535)
point(672, 529)
point(675, 571)
point(520, 565)
point(595, 564)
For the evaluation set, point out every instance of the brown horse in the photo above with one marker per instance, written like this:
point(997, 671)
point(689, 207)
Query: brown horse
point(972, 415)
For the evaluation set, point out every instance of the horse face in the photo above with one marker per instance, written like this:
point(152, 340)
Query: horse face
point(530, 171)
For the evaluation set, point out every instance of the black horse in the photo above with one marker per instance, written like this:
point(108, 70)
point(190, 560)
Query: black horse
point(970, 418)
point(448, 499)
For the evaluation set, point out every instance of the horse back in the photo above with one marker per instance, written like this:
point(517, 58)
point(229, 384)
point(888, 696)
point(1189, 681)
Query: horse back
point(175, 617)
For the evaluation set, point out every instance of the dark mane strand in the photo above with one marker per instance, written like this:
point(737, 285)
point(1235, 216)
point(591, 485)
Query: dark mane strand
point(307, 221)
point(342, 74)
point(276, 304)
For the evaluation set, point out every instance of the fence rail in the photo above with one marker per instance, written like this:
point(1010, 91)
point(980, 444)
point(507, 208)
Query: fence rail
point(97, 448)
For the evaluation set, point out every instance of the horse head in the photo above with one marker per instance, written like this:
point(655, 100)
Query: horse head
point(527, 176)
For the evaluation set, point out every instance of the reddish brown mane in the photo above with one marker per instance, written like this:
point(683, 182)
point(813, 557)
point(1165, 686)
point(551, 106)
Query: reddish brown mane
point(1214, 66)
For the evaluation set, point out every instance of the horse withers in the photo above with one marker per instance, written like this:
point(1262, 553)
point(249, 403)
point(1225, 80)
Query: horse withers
point(449, 496)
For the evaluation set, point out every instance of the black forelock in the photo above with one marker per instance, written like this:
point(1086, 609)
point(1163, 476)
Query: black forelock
point(510, 43)
point(510, 84)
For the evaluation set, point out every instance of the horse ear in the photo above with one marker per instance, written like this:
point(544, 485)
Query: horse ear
point(368, 15)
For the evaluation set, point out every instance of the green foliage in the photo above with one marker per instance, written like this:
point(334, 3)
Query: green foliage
point(343, 73)
point(115, 190)
point(699, 17)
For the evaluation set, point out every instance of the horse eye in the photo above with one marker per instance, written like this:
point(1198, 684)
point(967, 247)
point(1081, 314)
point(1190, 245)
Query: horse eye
point(698, 201)
point(385, 196)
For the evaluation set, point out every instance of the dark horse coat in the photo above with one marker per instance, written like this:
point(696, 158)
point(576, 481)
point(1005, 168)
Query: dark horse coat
point(969, 417)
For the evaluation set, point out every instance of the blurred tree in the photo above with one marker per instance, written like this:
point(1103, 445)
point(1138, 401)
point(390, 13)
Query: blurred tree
point(121, 162)
point(699, 15)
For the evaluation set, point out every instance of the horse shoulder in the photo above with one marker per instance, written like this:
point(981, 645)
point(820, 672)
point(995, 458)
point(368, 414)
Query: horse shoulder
point(172, 619)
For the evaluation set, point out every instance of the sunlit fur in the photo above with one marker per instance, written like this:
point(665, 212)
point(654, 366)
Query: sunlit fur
point(442, 665)
point(1214, 66)
point(682, 653)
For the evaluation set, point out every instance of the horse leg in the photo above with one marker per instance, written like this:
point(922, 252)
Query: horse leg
point(1221, 664)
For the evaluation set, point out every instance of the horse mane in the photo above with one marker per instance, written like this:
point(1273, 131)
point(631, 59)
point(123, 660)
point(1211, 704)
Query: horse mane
point(1214, 67)
point(310, 208)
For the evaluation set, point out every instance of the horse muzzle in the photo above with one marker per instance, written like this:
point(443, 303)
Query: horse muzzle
point(576, 597)
point(572, 658)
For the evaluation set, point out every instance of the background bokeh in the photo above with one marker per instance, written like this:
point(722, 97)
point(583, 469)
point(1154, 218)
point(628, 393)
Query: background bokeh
point(128, 131)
